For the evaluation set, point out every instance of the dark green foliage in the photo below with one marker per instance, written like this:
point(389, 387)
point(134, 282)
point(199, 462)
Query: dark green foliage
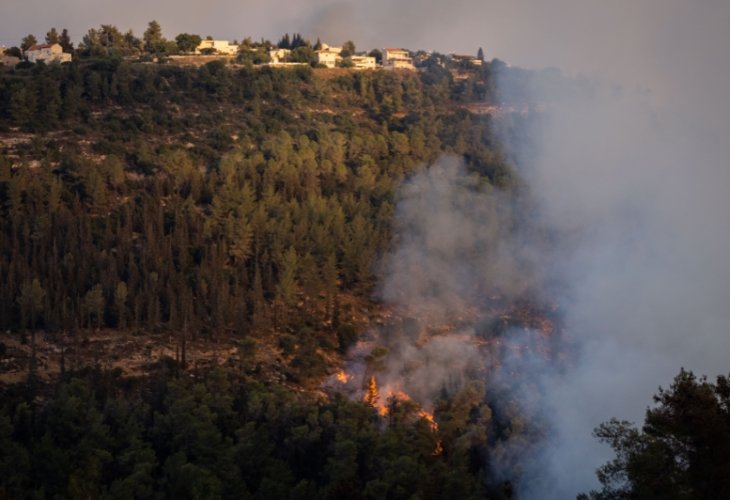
point(682, 451)
point(215, 202)
point(106, 41)
point(225, 200)
point(298, 41)
point(14, 52)
point(187, 42)
point(27, 42)
point(65, 41)
point(154, 43)
point(222, 437)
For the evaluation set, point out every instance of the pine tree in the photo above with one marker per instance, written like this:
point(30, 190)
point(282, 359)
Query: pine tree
point(52, 36)
point(28, 42)
point(287, 277)
point(120, 303)
point(284, 43)
point(153, 41)
point(65, 41)
point(31, 301)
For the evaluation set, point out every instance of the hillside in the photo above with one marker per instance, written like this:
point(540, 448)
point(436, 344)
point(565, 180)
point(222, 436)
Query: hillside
point(210, 199)
point(189, 253)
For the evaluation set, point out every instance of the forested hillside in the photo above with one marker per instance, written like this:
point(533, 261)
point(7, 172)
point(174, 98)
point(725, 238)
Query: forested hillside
point(224, 204)
point(209, 199)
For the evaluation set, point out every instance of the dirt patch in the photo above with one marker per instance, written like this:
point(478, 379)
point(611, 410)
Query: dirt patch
point(134, 355)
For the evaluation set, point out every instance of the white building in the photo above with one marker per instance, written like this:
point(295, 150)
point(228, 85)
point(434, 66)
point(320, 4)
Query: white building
point(397, 59)
point(336, 50)
point(219, 46)
point(362, 62)
point(279, 55)
point(47, 53)
point(327, 57)
point(468, 60)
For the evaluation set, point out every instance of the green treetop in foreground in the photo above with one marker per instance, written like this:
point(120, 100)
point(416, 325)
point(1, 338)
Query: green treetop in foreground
point(681, 452)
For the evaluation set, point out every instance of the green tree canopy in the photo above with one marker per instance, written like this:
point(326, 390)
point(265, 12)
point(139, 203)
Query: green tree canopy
point(28, 41)
point(682, 451)
point(187, 42)
point(52, 36)
point(153, 40)
point(65, 41)
point(348, 48)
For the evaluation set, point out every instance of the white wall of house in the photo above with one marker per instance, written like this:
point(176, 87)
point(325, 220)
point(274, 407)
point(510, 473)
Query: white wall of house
point(397, 59)
point(327, 58)
point(220, 46)
point(363, 62)
point(458, 58)
point(47, 53)
point(330, 48)
point(279, 55)
point(399, 64)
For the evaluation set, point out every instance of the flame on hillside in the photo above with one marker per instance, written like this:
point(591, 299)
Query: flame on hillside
point(343, 377)
point(402, 365)
point(392, 395)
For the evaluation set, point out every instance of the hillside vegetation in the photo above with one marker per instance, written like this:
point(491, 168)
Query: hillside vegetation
point(208, 200)
point(242, 206)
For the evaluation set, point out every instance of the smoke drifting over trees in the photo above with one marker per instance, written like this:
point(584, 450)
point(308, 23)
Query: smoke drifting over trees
point(634, 178)
point(639, 180)
point(453, 238)
point(463, 258)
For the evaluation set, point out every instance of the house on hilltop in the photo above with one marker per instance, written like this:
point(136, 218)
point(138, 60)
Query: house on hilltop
point(330, 48)
point(222, 47)
point(465, 60)
point(397, 59)
point(327, 57)
point(279, 55)
point(362, 62)
point(48, 53)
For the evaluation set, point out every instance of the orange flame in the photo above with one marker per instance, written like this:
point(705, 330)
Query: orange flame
point(342, 377)
point(428, 417)
point(372, 397)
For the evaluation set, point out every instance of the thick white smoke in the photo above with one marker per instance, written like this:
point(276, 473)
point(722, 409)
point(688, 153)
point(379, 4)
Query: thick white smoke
point(632, 169)
point(640, 180)
point(453, 250)
point(452, 239)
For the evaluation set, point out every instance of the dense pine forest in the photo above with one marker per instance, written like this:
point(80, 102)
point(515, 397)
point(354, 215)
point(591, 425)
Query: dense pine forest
point(227, 208)
point(212, 200)
point(221, 204)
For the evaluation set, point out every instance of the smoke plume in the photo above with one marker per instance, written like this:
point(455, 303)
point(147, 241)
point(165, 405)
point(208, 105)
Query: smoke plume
point(639, 179)
point(453, 250)
point(628, 168)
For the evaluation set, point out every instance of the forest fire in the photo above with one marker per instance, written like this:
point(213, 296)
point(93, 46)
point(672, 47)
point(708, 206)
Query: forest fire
point(383, 406)
point(342, 377)
point(428, 417)
point(403, 364)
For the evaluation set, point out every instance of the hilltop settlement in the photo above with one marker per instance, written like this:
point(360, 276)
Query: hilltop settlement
point(191, 49)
